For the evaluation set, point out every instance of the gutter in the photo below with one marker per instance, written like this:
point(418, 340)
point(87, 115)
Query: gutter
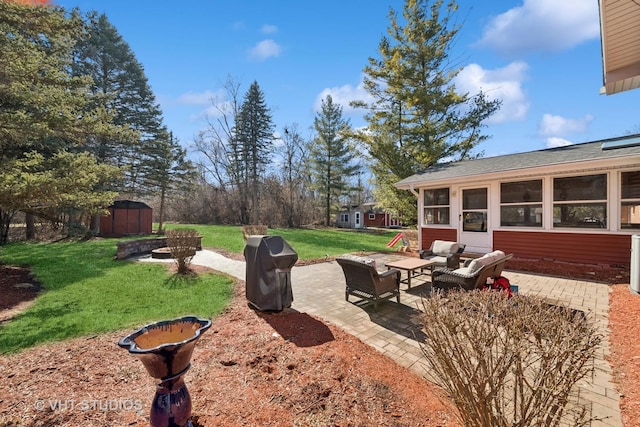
point(413, 190)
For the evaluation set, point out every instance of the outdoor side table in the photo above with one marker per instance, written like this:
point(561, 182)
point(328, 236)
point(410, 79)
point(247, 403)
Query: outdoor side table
point(413, 267)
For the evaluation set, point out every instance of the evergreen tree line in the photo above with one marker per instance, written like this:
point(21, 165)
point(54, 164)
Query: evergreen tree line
point(80, 126)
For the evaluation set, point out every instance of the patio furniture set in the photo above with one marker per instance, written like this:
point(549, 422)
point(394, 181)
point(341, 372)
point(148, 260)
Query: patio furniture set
point(441, 261)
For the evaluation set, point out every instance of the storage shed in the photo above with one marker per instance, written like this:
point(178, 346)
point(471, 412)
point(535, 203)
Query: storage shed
point(127, 218)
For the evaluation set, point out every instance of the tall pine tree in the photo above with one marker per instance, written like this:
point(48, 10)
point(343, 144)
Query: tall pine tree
point(44, 117)
point(121, 88)
point(417, 117)
point(254, 134)
point(331, 157)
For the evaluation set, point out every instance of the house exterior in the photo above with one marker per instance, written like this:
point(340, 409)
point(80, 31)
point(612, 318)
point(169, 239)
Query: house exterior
point(375, 216)
point(620, 38)
point(578, 203)
point(367, 215)
point(350, 217)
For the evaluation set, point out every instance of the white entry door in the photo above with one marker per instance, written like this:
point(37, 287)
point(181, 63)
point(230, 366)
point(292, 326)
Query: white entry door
point(474, 230)
point(358, 220)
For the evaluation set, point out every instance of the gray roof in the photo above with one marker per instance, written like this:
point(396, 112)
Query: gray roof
point(603, 149)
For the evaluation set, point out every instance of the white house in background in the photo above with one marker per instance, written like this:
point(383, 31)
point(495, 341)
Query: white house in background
point(578, 203)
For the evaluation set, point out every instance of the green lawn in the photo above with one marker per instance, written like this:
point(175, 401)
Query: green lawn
point(86, 291)
point(308, 243)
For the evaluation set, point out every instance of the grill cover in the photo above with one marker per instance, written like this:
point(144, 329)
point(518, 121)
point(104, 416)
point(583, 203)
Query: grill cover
point(269, 261)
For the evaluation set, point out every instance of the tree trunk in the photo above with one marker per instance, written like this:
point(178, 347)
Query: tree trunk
point(30, 232)
point(5, 222)
point(161, 214)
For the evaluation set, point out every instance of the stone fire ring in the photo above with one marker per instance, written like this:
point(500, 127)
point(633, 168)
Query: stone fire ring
point(161, 253)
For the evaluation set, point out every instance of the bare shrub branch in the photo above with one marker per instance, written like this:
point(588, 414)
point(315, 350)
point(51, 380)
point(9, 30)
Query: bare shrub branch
point(183, 245)
point(509, 362)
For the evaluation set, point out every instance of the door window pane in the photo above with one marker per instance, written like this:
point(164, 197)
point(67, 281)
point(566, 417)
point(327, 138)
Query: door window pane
point(475, 221)
point(474, 210)
point(474, 199)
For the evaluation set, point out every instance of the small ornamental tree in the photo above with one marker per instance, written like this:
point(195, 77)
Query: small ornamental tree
point(183, 245)
point(509, 362)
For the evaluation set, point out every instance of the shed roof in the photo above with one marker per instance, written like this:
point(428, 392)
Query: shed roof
point(621, 147)
point(129, 204)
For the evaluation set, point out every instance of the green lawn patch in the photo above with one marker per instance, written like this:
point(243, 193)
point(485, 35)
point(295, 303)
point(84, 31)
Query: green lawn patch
point(86, 291)
point(308, 243)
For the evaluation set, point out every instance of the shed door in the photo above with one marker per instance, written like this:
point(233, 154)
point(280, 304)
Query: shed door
point(358, 219)
point(474, 230)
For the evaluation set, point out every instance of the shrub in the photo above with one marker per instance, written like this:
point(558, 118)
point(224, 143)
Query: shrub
point(508, 361)
point(183, 244)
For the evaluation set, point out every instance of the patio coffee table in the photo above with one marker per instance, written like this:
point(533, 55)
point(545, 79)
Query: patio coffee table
point(413, 267)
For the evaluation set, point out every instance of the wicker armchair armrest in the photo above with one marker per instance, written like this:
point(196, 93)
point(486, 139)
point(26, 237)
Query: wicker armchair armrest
point(443, 274)
point(425, 253)
point(453, 260)
point(389, 272)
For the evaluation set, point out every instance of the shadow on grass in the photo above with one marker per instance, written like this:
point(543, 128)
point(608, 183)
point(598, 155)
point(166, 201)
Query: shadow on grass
point(182, 280)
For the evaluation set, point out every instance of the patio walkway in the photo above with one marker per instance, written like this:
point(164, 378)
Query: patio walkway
point(395, 329)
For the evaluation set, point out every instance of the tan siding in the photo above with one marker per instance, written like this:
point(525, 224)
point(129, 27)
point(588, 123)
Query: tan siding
point(612, 249)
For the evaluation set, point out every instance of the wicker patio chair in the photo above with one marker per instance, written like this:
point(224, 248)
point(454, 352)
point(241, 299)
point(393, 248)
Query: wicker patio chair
point(473, 274)
point(364, 281)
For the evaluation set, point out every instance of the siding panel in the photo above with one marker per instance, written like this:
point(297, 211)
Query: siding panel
point(592, 248)
point(431, 234)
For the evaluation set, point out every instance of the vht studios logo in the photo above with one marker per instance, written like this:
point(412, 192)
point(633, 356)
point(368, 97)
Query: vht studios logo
point(70, 405)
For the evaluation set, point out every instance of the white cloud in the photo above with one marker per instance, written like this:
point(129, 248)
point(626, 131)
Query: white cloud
point(264, 50)
point(343, 95)
point(557, 142)
point(198, 98)
point(504, 84)
point(269, 29)
point(551, 125)
point(543, 26)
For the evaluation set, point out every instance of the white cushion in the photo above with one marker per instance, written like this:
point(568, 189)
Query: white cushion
point(438, 259)
point(442, 247)
point(485, 259)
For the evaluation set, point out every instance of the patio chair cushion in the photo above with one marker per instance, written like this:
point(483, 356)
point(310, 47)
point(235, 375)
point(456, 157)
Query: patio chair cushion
point(364, 260)
point(444, 248)
point(485, 259)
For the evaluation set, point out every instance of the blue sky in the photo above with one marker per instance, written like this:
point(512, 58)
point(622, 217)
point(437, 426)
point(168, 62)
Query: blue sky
point(542, 58)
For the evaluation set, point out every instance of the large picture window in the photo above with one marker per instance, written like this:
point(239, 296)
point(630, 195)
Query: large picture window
point(630, 200)
point(436, 206)
point(580, 201)
point(521, 203)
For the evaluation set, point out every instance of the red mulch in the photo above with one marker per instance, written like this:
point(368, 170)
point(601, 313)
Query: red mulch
point(254, 368)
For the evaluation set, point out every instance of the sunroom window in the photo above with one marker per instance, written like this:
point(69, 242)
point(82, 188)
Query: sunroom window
point(521, 203)
point(580, 201)
point(436, 206)
point(630, 200)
